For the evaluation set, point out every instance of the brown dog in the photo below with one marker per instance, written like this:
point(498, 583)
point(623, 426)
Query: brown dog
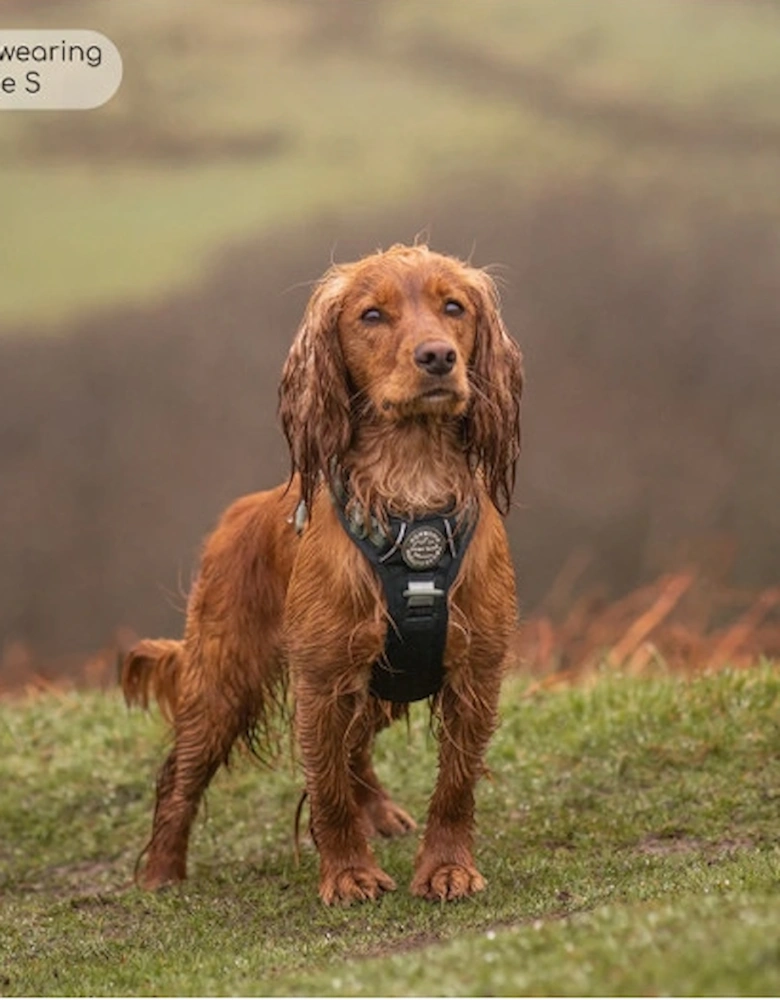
point(400, 401)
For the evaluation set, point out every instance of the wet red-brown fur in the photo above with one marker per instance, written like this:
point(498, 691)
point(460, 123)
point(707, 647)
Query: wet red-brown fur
point(361, 399)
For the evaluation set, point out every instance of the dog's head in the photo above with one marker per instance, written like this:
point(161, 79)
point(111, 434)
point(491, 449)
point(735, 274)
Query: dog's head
point(403, 335)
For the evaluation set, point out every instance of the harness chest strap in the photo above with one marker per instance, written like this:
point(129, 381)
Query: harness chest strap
point(417, 562)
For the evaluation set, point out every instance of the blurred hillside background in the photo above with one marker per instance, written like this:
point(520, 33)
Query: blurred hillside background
point(619, 163)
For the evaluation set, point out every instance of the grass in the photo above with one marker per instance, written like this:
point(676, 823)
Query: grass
point(629, 836)
point(365, 107)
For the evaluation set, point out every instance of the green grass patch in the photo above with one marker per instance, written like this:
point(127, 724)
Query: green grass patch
point(628, 834)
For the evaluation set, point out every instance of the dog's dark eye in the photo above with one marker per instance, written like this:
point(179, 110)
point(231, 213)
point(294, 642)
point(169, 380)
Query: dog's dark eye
point(453, 308)
point(372, 315)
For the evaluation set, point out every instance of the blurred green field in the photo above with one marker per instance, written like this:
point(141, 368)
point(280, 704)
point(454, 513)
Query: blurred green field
point(248, 117)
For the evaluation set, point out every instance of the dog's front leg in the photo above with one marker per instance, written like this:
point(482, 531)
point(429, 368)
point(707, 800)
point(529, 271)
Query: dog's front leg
point(445, 868)
point(348, 870)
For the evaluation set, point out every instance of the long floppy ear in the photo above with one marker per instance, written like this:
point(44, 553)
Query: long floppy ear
point(492, 424)
point(314, 393)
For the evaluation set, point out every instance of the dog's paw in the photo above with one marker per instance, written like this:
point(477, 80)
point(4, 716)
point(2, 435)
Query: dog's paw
point(447, 881)
point(155, 879)
point(354, 884)
point(383, 818)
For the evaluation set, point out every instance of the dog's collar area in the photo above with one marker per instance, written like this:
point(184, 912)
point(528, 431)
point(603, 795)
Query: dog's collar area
point(416, 561)
point(421, 543)
point(420, 540)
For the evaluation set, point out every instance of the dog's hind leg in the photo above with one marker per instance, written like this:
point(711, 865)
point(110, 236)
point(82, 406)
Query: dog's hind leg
point(204, 735)
point(226, 679)
point(380, 816)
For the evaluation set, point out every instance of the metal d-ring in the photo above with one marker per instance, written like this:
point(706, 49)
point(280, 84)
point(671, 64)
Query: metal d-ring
point(450, 536)
point(396, 544)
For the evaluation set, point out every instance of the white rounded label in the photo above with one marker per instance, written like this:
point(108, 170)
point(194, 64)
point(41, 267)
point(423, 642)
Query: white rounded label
point(66, 69)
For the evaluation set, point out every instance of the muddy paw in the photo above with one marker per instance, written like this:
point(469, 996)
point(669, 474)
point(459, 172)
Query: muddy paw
point(447, 882)
point(354, 884)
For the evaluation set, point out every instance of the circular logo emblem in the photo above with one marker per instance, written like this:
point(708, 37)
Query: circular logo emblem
point(423, 548)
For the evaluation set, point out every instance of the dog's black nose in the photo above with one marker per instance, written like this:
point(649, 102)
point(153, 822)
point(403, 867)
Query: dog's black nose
point(436, 357)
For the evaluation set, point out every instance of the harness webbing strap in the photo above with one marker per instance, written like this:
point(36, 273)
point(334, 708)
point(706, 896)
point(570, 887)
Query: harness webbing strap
point(417, 562)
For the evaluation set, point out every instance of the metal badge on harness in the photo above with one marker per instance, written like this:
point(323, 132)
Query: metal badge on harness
point(423, 548)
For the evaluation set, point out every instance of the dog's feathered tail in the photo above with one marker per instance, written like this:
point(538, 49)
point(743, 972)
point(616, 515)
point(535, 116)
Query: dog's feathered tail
point(152, 669)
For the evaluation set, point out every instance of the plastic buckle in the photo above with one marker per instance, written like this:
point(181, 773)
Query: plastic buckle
point(422, 594)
